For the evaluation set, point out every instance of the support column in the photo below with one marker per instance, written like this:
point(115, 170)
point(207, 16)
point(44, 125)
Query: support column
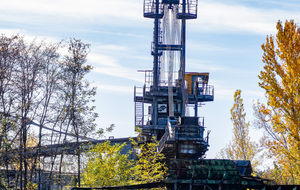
point(182, 57)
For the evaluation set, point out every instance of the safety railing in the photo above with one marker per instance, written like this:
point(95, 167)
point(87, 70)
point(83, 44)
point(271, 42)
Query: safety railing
point(150, 9)
point(201, 89)
point(190, 9)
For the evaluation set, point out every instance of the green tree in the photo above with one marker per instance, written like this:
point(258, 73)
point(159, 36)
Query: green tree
point(150, 166)
point(280, 116)
point(241, 147)
point(273, 174)
point(106, 166)
point(78, 94)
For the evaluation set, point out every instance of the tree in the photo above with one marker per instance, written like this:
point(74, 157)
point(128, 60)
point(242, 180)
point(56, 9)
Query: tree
point(280, 116)
point(8, 58)
point(106, 166)
point(79, 115)
point(41, 87)
point(32, 141)
point(47, 109)
point(150, 166)
point(28, 86)
point(240, 148)
point(273, 174)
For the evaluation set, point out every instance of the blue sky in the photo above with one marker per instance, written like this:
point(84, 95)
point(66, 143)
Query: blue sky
point(225, 41)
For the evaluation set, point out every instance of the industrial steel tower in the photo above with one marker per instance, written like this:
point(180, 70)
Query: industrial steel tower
point(163, 104)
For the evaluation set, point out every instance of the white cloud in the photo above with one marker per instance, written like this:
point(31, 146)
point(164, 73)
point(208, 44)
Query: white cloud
point(111, 47)
point(115, 88)
point(212, 16)
point(103, 60)
point(255, 94)
point(8, 31)
point(88, 10)
point(221, 17)
point(27, 36)
point(119, 71)
point(203, 65)
point(223, 93)
point(202, 46)
point(108, 65)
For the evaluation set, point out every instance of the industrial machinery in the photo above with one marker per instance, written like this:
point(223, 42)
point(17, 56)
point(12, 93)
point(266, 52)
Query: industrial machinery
point(162, 105)
point(166, 107)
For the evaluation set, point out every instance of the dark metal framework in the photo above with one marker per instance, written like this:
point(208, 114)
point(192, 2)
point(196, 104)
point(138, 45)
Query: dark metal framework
point(160, 108)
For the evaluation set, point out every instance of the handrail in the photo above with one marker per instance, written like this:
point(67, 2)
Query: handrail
point(170, 133)
point(203, 89)
point(162, 141)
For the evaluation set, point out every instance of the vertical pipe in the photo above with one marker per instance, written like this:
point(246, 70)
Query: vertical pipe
point(156, 40)
point(196, 91)
point(182, 56)
point(155, 62)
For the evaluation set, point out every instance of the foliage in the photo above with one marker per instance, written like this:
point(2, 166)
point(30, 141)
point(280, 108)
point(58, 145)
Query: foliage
point(241, 147)
point(31, 186)
point(149, 166)
point(109, 129)
point(280, 116)
point(77, 93)
point(42, 86)
point(107, 166)
point(273, 175)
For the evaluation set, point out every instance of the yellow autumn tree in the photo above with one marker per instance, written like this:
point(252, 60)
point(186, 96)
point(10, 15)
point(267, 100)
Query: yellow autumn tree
point(280, 116)
point(241, 147)
point(106, 166)
point(150, 166)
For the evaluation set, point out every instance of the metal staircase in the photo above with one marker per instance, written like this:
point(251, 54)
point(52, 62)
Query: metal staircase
point(139, 114)
point(138, 108)
point(184, 139)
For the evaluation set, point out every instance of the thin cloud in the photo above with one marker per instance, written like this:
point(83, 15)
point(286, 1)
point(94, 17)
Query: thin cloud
point(202, 46)
point(119, 71)
point(104, 64)
point(223, 92)
point(285, 4)
point(111, 47)
point(224, 18)
point(10, 31)
point(203, 65)
point(256, 94)
point(115, 88)
point(88, 10)
point(212, 16)
point(102, 60)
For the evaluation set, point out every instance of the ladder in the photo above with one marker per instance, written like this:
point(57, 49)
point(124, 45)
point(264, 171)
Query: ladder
point(139, 114)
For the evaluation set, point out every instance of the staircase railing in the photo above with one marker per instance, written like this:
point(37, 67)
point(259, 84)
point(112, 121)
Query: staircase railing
point(138, 109)
point(162, 142)
point(170, 134)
